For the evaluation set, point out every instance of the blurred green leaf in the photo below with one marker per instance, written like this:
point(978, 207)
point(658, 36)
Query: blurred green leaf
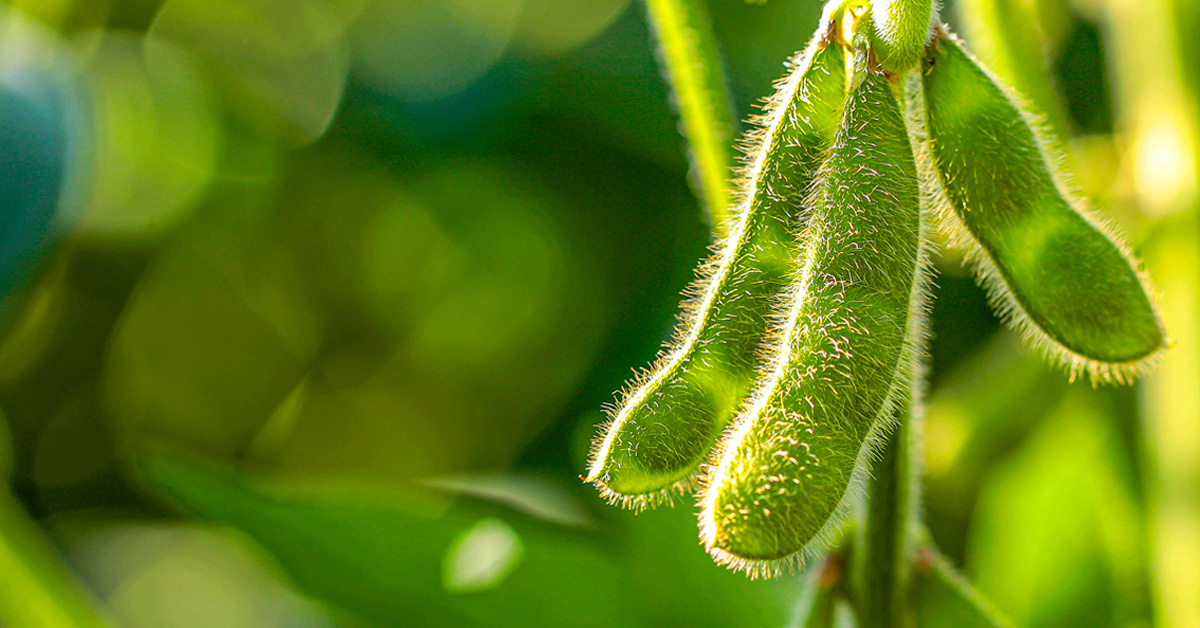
point(383, 554)
point(147, 572)
point(1059, 515)
point(983, 410)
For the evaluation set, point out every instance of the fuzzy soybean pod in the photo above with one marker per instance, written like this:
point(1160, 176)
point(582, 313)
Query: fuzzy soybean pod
point(669, 421)
point(1059, 276)
point(786, 473)
point(902, 28)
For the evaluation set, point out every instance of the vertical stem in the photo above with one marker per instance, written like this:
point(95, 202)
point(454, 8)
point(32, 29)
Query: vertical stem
point(884, 544)
point(1158, 114)
point(816, 607)
point(688, 53)
point(35, 590)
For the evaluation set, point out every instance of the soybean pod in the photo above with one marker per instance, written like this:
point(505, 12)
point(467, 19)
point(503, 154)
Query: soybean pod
point(901, 31)
point(668, 422)
point(786, 472)
point(1059, 276)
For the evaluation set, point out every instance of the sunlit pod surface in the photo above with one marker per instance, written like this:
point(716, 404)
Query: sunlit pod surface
point(785, 471)
point(669, 421)
point(1060, 277)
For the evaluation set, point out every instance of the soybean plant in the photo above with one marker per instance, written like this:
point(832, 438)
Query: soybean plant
point(800, 351)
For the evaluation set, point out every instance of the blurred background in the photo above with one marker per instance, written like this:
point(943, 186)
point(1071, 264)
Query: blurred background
point(309, 308)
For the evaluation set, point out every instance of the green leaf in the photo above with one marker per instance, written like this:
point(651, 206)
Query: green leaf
point(1064, 502)
point(1059, 276)
point(420, 557)
point(389, 556)
point(943, 598)
point(668, 423)
point(786, 473)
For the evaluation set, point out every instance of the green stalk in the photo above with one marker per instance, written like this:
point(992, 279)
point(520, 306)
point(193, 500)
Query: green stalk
point(688, 53)
point(942, 597)
point(885, 542)
point(1158, 110)
point(36, 591)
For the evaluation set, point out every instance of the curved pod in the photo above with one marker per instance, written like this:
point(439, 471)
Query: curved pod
point(1060, 277)
point(785, 473)
point(668, 422)
point(902, 30)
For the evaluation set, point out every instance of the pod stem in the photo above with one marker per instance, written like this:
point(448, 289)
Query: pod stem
point(688, 54)
point(884, 543)
point(35, 589)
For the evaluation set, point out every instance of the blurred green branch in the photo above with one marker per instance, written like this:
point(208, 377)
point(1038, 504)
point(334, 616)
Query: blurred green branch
point(35, 590)
point(942, 597)
point(688, 52)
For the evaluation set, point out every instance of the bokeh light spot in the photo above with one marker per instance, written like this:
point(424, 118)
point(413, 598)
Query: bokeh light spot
point(482, 557)
point(420, 51)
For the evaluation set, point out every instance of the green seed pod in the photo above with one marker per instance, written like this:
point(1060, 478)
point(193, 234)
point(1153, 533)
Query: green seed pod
point(902, 30)
point(668, 422)
point(1056, 274)
point(785, 474)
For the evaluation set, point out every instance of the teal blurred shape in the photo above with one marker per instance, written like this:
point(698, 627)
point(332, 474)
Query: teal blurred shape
point(31, 174)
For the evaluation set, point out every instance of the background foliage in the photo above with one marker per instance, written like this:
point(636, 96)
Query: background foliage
point(310, 308)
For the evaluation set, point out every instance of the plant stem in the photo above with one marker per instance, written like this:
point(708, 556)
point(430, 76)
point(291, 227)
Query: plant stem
point(36, 591)
point(1159, 111)
point(688, 54)
point(885, 542)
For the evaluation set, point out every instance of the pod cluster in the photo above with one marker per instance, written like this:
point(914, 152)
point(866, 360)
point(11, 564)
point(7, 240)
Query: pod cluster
point(799, 340)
